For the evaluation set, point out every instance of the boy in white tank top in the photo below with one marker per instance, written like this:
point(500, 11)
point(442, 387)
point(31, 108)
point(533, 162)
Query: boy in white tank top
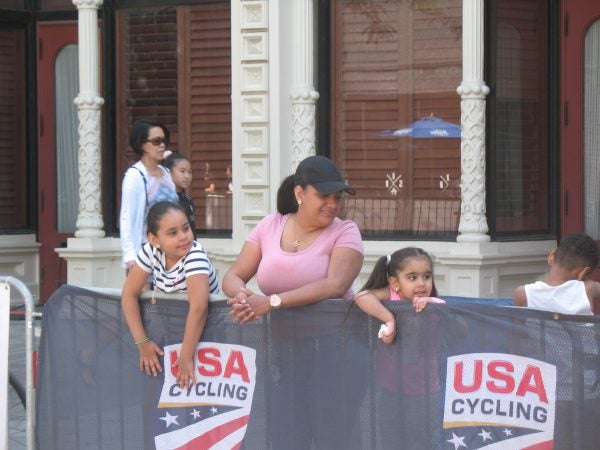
point(565, 289)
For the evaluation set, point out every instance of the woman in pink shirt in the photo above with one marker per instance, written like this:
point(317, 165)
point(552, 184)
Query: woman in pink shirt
point(301, 255)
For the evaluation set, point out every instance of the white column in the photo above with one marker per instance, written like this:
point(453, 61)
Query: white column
point(473, 223)
point(92, 259)
point(304, 95)
point(89, 221)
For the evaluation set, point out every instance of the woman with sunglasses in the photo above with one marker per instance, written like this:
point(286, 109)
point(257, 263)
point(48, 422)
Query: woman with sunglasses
point(145, 183)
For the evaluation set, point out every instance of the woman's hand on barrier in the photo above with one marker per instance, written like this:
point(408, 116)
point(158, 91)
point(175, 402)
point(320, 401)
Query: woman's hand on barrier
point(241, 307)
point(259, 306)
point(149, 358)
point(250, 309)
point(185, 373)
point(238, 302)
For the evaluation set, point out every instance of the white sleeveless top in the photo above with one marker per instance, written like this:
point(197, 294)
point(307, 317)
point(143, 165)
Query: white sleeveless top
point(568, 298)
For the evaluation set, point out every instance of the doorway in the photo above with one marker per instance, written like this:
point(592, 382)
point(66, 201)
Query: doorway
point(58, 195)
point(580, 141)
point(580, 161)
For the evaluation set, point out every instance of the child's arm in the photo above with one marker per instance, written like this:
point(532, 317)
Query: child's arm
point(198, 292)
point(592, 288)
point(519, 297)
point(370, 303)
point(149, 350)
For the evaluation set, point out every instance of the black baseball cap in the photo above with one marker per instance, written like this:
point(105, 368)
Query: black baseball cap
point(322, 174)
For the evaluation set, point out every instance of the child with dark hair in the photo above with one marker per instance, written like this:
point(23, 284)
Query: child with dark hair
point(406, 274)
point(181, 172)
point(566, 288)
point(179, 264)
point(407, 373)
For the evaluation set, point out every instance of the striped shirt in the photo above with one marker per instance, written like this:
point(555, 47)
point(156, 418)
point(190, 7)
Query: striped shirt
point(152, 260)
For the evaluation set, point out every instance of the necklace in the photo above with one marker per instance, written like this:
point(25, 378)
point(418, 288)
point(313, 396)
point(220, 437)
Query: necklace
point(295, 242)
point(298, 242)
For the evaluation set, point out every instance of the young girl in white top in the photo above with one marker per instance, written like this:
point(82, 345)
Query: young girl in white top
point(179, 264)
point(406, 274)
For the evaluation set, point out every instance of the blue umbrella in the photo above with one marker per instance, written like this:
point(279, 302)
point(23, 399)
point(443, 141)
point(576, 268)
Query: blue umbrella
point(427, 127)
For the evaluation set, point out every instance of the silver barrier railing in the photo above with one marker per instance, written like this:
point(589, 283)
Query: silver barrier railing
point(29, 329)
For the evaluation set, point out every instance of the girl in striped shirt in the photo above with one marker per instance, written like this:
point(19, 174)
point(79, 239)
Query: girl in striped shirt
point(179, 264)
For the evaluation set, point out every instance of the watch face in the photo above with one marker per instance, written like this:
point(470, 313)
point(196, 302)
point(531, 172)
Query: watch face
point(275, 301)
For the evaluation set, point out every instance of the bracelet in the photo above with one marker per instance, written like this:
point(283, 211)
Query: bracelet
point(141, 341)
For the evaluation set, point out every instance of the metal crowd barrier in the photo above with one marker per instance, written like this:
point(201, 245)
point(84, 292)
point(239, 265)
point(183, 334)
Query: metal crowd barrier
point(29, 381)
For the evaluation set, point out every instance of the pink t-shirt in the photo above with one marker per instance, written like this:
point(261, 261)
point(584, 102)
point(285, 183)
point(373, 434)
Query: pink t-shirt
point(281, 271)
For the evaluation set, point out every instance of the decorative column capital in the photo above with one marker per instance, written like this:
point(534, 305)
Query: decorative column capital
point(88, 4)
point(473, 89)
point(88, 100)
point(304, 94)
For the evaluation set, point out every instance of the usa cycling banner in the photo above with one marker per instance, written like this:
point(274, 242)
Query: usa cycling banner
point(458, 376)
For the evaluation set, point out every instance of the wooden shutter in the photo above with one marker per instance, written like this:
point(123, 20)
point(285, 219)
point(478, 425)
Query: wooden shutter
point(392, 64)
point(13, 171)
point(147, 74)
point(175, 66)
point(207, 97)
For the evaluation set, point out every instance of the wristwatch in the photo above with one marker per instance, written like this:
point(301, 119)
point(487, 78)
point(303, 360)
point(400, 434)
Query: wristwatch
point(275, 301)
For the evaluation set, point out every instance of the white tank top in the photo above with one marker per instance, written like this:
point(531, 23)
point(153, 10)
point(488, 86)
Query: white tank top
point(568, 298)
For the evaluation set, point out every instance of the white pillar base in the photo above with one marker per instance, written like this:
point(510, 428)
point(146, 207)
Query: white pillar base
point(93, 262)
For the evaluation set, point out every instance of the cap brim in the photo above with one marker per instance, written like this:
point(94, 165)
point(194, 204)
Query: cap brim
point(331, 187)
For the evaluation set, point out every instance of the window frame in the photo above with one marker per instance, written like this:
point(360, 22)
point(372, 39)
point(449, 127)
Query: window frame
point(324, 134)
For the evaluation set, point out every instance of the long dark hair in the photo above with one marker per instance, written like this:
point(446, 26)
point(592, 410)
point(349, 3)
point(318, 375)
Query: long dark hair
point(384, 269)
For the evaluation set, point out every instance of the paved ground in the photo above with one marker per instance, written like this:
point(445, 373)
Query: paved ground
point(16, 411)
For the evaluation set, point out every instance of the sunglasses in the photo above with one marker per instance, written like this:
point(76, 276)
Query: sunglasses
point(156, 141)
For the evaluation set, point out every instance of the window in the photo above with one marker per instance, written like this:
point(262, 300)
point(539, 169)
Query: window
point(395, 114)
point(13, 152)
point(174, 65)
point(519, 109)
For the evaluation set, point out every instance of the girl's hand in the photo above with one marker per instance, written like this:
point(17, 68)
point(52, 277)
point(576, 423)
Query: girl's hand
point(185, 375)
point(420, 303)
point(149, 357)
point(389, 335)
